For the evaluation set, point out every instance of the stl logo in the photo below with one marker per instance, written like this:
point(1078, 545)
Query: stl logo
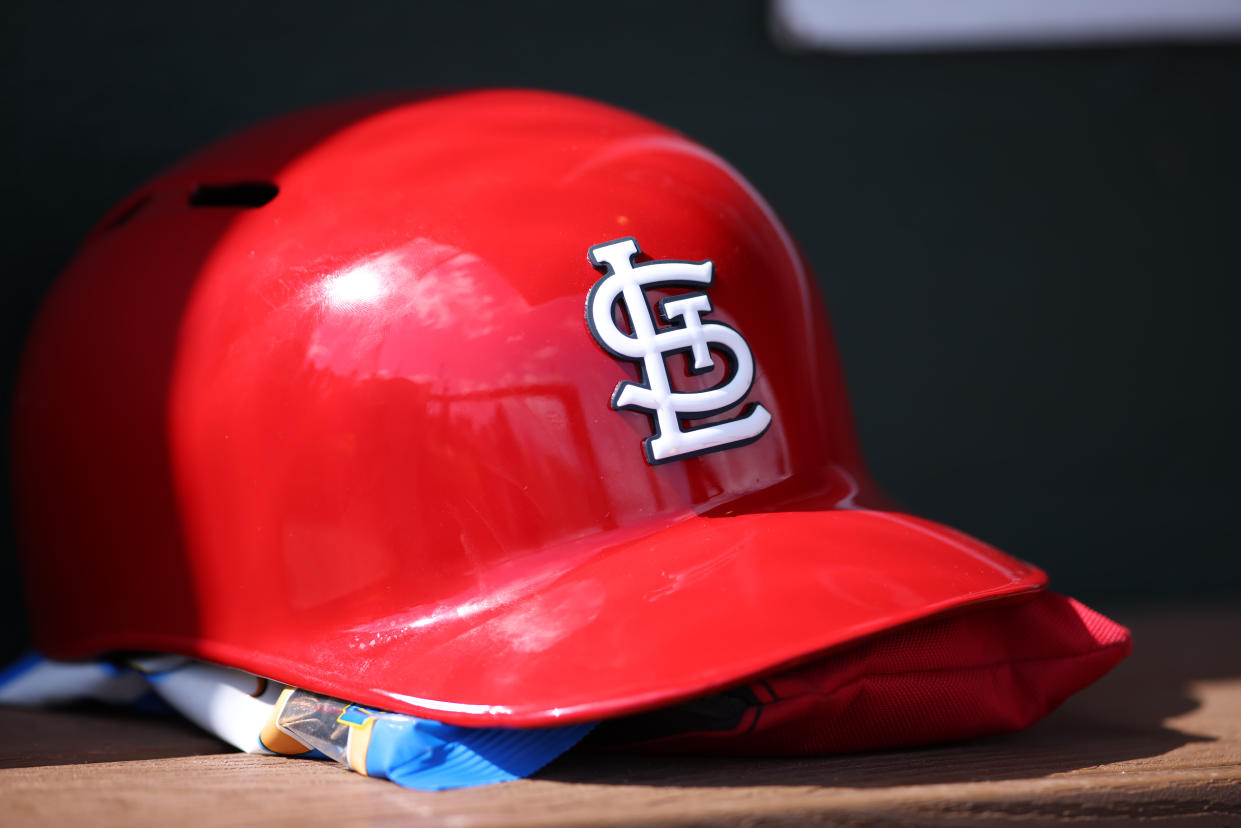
point(648, 346)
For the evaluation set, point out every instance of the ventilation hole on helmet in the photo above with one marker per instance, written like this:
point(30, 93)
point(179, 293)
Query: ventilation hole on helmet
point(236, 194)
point(127, 212)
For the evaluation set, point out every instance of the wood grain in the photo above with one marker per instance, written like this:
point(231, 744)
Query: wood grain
point(1159, 739)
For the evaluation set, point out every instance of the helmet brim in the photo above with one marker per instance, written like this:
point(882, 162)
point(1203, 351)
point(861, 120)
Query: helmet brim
point(707, 603)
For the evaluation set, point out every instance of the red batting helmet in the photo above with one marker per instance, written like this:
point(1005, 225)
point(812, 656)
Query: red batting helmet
point(496, 407)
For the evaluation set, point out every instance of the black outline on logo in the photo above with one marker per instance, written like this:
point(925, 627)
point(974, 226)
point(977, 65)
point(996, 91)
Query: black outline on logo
point(730, 358)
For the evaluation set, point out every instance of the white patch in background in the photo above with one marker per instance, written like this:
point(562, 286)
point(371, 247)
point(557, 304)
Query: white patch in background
point(934, 25)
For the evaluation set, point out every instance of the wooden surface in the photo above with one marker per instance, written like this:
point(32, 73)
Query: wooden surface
point(1159, 739)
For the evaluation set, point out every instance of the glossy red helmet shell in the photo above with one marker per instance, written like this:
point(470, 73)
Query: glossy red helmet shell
point(361, 439)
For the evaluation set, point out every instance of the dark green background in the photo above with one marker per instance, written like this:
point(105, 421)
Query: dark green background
point(1032, 258)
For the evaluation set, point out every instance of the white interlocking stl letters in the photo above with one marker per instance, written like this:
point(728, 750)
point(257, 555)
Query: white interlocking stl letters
point(649, 346)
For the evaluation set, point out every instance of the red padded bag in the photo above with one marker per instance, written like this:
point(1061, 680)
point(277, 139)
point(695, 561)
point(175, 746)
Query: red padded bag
point(992, 669)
